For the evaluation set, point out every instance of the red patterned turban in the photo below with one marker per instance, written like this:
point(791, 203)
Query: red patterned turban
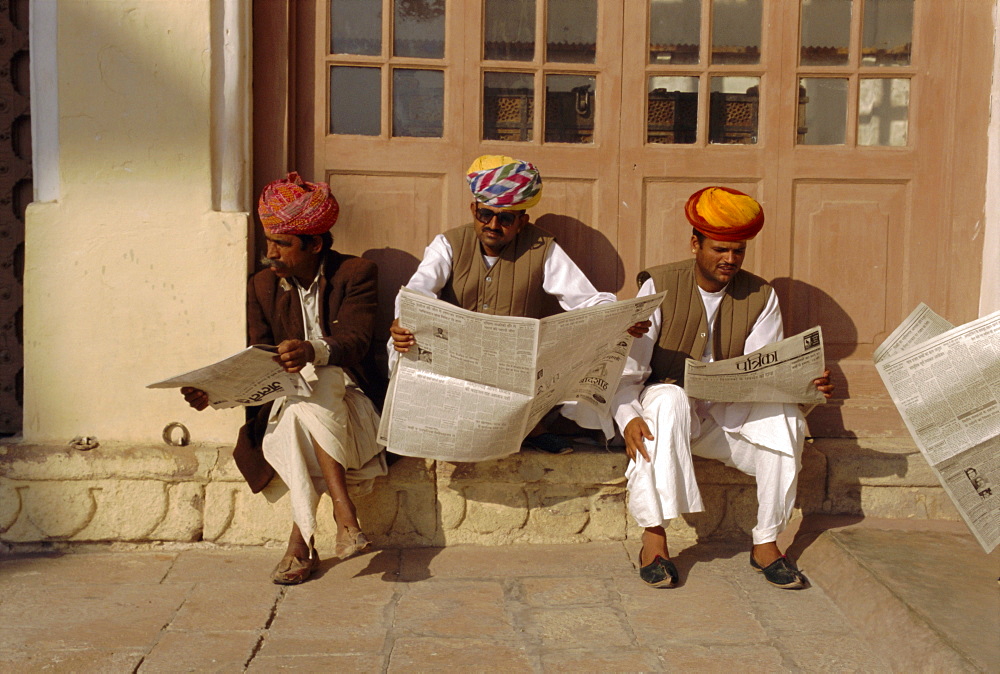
point(504, 183)
point(724, 214)
point(293, 206)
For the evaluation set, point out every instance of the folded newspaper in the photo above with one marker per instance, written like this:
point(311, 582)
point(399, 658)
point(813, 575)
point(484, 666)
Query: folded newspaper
point(475, 384)
point(249, 377)
point(945, 382)
point(782, 372)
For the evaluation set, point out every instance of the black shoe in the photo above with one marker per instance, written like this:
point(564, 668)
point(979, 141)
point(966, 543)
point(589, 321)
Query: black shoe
point(658, 573)
point(550, 443)
point(782, 573)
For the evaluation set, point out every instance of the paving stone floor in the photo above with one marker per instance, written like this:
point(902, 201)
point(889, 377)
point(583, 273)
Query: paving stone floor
point(532, 608)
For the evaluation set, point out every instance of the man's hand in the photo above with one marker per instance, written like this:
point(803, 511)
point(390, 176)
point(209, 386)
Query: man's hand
point(639, 329)
point(195, 397)
point(293, 354)
point(402, 339)
point(823, 384)
point(635, 432)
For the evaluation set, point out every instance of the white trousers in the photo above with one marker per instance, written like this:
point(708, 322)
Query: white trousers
point(665, 486)
point(338, 419)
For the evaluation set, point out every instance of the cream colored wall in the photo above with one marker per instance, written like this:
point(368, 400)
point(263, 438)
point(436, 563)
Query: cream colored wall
point(130, 276)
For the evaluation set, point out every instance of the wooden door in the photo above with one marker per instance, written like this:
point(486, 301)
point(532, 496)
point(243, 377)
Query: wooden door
point(840, 116)
point(859, 125)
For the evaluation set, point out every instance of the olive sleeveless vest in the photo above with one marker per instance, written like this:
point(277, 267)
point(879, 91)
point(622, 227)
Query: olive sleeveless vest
point(512, 286)
point(684, 330)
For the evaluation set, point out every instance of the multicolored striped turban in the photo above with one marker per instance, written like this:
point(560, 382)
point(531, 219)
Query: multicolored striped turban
point(504, 183)
point(293, 206)
point(724, 214)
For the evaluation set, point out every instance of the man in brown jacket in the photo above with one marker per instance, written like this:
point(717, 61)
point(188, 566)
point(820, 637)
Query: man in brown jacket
point(317, 306)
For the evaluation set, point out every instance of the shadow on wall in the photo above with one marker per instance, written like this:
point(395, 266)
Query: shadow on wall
point(804, 306)
point(589, 248)
point(395, 267)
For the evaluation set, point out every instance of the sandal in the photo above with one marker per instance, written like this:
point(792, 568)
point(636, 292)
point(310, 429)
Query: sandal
point(351, 543)
point(291, 570)
point(658, 573)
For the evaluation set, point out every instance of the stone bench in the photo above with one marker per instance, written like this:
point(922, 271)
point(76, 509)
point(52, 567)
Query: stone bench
point(132, 494)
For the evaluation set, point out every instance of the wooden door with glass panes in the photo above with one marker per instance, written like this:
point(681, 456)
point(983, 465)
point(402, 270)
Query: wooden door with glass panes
point(842, 118)
point(847, 119)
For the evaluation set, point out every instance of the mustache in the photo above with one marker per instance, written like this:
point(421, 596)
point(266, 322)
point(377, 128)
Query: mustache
point(273, 264)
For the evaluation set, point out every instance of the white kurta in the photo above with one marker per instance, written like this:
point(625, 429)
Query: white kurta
point(561, 278)
point(337, 418)
point(760, 439)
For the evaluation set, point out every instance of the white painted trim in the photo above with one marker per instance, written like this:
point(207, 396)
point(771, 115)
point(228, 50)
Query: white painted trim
point(231, 99)
point(989, 292)
point(43, 32)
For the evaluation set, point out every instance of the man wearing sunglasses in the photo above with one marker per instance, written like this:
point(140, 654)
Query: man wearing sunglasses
point(502, 264)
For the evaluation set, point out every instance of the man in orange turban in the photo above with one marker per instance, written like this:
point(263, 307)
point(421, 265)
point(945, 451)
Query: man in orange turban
point(317, 306)
point(713, 310)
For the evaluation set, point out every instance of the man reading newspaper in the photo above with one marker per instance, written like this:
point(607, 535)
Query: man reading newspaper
point(316, 306)
point(713, 310)
point(502, 264)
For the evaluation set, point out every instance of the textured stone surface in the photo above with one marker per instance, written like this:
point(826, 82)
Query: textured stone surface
point(532, 608)
point(146, 494)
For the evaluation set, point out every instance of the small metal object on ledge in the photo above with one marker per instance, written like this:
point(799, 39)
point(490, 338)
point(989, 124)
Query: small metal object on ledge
point(168, 434)
point(84, 442)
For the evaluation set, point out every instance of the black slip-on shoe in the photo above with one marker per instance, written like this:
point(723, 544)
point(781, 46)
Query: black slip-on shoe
point(549, 443)
point(782, 573)
point(658, 573)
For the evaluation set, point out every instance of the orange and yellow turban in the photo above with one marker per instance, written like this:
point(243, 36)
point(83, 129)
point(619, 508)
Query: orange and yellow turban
point(504, 183)
point(293, 206)
point(724, 214)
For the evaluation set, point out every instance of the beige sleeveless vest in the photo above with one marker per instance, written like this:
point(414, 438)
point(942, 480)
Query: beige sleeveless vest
point(684, 330)
point(512, 287)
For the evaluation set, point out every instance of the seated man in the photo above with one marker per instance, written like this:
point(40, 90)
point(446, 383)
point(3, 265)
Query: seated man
point(317, 306)
point(713, 310)
point(502, 264)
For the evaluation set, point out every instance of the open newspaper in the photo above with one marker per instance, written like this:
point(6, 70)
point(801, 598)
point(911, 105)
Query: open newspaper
point(782, 372)
point(475, 384)
point(249, 377)
point(946, 385)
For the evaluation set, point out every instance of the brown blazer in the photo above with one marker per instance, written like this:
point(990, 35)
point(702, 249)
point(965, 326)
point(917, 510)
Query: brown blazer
point(348, 298)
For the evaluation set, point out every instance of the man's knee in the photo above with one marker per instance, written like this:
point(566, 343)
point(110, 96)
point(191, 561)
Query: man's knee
point(660, 399)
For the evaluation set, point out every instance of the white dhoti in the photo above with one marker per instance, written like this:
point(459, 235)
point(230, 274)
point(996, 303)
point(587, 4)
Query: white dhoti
point(338, 419)
point(760, 439)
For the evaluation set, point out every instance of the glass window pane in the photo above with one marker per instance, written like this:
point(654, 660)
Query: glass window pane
point(822, 111)
point(672, 112)
point(418, 103)
point(569, 108)
point(355, 100)
point(510, 30)
point(418, 28)
point(355, 27)
point(887, 33)
point(674, 31)
point(736, 31)
point(732, 116)
point(826, 32)
point(508, 106)
point(571, 36)
point(883, 112)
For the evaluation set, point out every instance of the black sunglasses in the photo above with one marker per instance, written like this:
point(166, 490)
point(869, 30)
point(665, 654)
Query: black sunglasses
point(504, 218)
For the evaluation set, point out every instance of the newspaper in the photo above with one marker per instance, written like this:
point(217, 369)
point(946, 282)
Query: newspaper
point(947, 389)
point(249, 377)
point(475, 384)
point(919, 326)
point(782, 372)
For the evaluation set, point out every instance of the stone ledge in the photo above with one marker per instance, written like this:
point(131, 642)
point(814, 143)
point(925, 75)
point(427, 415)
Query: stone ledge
point(139, 494)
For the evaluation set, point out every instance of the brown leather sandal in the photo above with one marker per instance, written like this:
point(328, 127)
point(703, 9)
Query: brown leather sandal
point(351, 543)
point(291, 570)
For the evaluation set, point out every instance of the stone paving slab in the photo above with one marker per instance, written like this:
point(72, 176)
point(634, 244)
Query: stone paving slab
point(928, 594)
point(533, 608)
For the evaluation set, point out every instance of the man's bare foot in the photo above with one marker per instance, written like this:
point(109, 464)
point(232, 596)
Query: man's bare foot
point(654, 542)
point(766, 554)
